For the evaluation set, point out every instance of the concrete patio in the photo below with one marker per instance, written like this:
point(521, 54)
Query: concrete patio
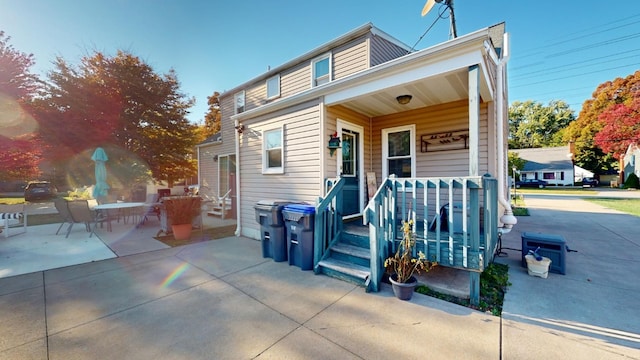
point(220, 299)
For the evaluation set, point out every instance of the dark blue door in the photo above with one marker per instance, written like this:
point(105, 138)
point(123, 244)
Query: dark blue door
point(350, 172)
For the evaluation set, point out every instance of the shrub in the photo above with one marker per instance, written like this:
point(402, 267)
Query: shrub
point(632, 182)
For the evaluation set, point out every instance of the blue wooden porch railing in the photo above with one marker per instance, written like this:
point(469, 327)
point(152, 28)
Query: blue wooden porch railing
point(328, 220)
point(465, 240)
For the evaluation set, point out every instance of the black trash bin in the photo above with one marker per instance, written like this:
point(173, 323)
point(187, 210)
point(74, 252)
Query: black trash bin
point(299, 219)
point(272, 229)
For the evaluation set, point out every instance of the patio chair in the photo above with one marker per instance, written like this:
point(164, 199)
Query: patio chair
point(63, 211)
point(150, 208)
point(109, 214)
point(81, 213)
point(13, 217)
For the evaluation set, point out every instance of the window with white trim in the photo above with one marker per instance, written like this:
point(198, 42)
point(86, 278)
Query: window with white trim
point(273, 87)
point(321, 69)
point(238, 99)
point(272, 151)
point(398, 151)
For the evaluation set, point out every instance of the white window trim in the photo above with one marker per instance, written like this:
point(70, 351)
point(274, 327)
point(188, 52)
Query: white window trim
point(265, 169)
point(267, 86)
point(235, 102)
point(313, 68)
point(385, 148)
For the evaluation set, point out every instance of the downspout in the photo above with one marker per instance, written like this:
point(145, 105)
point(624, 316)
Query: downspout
point(507, 219)
point(237, 146)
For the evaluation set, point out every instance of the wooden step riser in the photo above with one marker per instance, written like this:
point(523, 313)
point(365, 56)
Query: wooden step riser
point(356, 240)
point(350, 258)
point(339, 275)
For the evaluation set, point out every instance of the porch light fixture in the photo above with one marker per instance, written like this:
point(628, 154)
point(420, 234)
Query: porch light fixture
point(404, 99)
point(240, 128)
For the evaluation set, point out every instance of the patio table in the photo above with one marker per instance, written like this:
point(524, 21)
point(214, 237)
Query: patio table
point(118, 206)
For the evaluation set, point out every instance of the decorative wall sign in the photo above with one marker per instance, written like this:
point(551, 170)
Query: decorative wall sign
point(448, 140)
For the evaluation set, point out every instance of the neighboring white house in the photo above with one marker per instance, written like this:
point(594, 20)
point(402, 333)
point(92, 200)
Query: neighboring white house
point(554, 165)
point(631, 161)
point(580, 173)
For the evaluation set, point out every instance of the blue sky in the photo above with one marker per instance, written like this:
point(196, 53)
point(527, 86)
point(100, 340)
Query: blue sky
point(559, 49)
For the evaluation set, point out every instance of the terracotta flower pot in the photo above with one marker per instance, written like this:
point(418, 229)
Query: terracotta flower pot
point(181, 231)
point(403, 291)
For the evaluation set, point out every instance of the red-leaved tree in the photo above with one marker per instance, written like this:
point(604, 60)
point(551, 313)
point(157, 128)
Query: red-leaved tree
point(620, 127)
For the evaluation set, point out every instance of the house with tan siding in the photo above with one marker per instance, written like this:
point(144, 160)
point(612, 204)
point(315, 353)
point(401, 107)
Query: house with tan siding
point(441, 145)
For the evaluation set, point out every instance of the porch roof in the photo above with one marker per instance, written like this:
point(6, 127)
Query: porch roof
point(434, 75)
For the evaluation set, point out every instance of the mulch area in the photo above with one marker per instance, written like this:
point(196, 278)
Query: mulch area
point(197, 236)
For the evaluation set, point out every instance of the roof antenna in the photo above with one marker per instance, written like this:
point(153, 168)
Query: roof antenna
point(448, 3)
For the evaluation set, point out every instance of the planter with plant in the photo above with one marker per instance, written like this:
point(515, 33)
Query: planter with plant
point(181, 211)
point(403, 264)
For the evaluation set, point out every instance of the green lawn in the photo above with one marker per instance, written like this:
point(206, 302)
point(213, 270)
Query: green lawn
point(629, 206)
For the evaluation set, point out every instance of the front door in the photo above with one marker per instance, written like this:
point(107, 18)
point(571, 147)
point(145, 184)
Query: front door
point(350, 168)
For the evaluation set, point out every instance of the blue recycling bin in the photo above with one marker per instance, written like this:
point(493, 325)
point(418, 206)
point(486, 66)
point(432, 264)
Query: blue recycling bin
point(272, 229)
point(299, 220)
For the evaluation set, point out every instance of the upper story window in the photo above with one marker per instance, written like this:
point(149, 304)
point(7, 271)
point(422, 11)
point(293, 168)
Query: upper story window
point(273, 87)
point(238, 99)
point(321, 68)
point(272, 151)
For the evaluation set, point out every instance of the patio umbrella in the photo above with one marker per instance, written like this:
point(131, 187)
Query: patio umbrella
point(101, 189)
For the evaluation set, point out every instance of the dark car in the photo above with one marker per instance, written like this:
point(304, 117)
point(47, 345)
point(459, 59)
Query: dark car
point(533, 183)
point(40, 190)
point(590, 182)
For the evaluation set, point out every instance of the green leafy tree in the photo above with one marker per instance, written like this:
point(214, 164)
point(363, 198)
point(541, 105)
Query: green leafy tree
point(123, 105)
point(534, 125)
point(514, 161)
point(588, 154)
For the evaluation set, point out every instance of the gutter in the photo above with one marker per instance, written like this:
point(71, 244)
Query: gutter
point(507, 219)
point(238, 231)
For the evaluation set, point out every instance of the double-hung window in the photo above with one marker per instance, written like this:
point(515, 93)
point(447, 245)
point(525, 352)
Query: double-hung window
point(398, 152)
point(273, 151)
point(273, 87)
point(321, 68)
point(238, 99)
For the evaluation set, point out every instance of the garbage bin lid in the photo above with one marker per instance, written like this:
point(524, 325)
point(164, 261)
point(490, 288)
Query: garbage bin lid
point(301, 208)
point(273, 202)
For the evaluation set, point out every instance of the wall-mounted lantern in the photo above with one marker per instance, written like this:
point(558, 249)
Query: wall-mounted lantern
point(334, 143)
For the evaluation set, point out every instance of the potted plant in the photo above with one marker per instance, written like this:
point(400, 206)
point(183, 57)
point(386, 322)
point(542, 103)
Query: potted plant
point(403, 265)
point(181, 210)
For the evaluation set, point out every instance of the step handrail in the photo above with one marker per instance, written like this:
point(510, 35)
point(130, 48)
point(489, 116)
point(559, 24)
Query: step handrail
point(328, 220)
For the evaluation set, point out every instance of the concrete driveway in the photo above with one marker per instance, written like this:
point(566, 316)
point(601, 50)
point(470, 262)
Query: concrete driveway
point(220, 299)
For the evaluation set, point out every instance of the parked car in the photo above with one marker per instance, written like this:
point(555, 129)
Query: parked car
point(39, 190)
point(533, 183)
point(590, 182)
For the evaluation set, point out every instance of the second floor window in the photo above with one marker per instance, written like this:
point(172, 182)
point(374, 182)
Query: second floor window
point(239, 100)
point(321, 70)
point(273, 87)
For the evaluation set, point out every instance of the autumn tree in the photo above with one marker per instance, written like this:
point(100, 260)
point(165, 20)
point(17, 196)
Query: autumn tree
point(214, 115)
point(610, 98)
point(534, 125)
point(20, 149)
point(120, 103)
point(620, 126)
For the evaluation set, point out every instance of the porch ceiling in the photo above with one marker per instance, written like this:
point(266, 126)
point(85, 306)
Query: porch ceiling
point(443, 88)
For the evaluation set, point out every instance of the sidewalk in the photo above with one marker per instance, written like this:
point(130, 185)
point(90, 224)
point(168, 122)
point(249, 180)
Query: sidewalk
point(221, 300)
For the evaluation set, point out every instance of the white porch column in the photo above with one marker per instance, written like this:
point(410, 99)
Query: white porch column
point(474, 119)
